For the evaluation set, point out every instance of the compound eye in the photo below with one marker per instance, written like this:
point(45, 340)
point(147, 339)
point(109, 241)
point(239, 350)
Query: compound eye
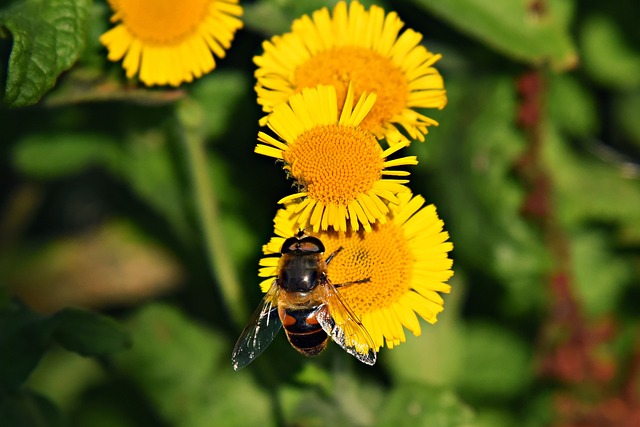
point(290, 245)
point(311, 245)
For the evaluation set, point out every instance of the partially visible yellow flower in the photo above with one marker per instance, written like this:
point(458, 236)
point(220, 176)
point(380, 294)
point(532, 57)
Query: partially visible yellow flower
point(405, 261)
point(169, 42)
point(338, 166)
point(359, 46)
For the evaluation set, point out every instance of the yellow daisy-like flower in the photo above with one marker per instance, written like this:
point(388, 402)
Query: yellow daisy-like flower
point(338, 165)
point(168, 41)
point(405, 261)
point(359, 46)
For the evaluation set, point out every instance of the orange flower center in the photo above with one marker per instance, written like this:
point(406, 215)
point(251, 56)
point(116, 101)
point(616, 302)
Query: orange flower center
point(335, 163)
point(161, 21)
point(368, 70)
point(382, 256)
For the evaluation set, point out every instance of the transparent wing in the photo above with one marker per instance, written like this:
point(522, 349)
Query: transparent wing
point(344, 327)
point(259, 332)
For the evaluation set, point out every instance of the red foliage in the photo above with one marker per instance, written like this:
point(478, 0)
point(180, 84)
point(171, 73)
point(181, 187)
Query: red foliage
point(573, 350)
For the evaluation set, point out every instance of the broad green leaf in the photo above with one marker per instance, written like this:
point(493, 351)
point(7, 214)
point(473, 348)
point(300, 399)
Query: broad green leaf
point(540, 410)
point(419, 405)
point(514, 27)
point(470, 177)
point(495, 418)
point(610, 56)
point(87, 333)
point(225, 403)
point(149, 165)
point(28, 409)
point(589, 188)
point(59, 155)
point(24, 338)
point(220, 96)
point(185, 372)
point(572, 107)
point(336, 396)
point(626, 107)
point(436, 356)
point(313, 376)
point(64, 377)
point(601, 274)
point(113, 408)
point(497, 363)
point(307, 407)
point(48, 37)
point(145, 162)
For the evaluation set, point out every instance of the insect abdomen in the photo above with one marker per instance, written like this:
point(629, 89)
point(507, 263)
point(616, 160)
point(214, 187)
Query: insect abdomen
point(303, 330)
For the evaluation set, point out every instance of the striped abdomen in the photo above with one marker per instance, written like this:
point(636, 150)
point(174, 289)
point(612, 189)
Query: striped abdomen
point(303, 330)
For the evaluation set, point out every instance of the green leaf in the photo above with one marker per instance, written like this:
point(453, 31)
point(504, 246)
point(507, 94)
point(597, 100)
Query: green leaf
point(145, 162)
point(494, 418)
point(540, 410)
point(626, 107)
point(418, 361)
point(497, 363)
point(88, 333)
point(58, 155)
point(24, 338)
point(65, 376)
point(330, 397)
point(610, 57)
point(513, 27)
point(419, 405)
point(48, 37)
point(601, 274)
point(470, 176)
point(227, 400)
point(148, 165)
point(28, 409)
point(220, 95)
point(185, 371)
point(572, 107)
point(589, 188)
point(306, 407)
point(482, 361)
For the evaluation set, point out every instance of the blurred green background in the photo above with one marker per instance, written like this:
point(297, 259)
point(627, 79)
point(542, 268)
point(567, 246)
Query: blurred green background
point(131, 223)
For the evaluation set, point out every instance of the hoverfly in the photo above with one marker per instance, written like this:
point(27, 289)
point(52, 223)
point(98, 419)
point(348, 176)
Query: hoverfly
point(303, 300)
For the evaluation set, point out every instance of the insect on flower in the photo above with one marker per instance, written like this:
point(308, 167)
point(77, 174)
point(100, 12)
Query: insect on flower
point(308, 305)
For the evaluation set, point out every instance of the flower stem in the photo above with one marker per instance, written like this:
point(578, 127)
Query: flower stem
point(191, 117)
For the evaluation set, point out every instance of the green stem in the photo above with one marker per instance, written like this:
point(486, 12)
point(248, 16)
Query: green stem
point(222, 268)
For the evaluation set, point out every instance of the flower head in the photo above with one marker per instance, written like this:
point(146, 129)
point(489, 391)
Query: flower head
point(359, 46)
point(405, 261)
point(171, 42)
point(338, 165)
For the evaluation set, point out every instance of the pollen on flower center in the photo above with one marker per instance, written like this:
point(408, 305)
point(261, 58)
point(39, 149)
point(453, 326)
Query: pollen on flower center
point(368, 70)
point(162, 21)
point(335, 163)
point(382, 256)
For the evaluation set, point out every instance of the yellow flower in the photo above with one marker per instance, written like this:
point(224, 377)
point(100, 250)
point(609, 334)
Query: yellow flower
point(168, 41)
point(338, 165)
point(359, 46)
point(405, 261)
